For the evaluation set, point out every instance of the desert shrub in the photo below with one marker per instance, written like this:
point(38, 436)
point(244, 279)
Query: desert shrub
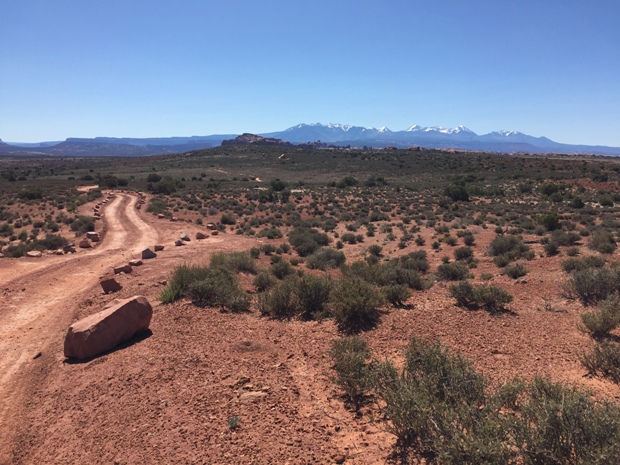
point(281, 269)
point(603, 242)
point(83, 224)
point(508, 248)
point(268, 249)
point(457, 193)
point(218, 289)
point(574, 264)
point(15, 251)
point(452, 271)
point(385, 274)
point(603, 320)
point(31, 193)
point(469, 239)
point(375, 250)
point(53, 242)
point(396, 294)
point(255, 252)
point(551, 248)
point(279, 302)
point(350, 356)
point(182, 277)
point(235, 262)
point(591, 285)
point(306, 241)
point(228, 219)
point(263, 281)
point(415, 261)
point(558, 424)
point(515, 271)
point(550, 220)
point(313, 295)
point(324, 258)
point(153, 177)
point(464, 253)
point(270, 233)
point(157, 206)
point(492, 298)
point(604, 360)
point(438, 396)
point(355, 304)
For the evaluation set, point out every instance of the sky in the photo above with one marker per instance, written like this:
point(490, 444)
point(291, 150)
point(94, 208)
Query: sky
point(158, 68)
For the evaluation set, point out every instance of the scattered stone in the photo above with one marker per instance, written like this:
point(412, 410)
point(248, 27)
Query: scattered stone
point(110, 285)
point(210, 226)
point(252, 396)
point(160, 216)
point(108, 328)
point(37, 355)
point(185, 237)
point(174, 218)
point(68, 249)
point(122, 269)
point(85, 244)
point(148, 253)
point(179, 242)
point(58, 252)
point(93, 236)
point(136, 262)
point(34, 254)
point(158, 247)
point(201, 235)
point(1, 255)
point(215, 233)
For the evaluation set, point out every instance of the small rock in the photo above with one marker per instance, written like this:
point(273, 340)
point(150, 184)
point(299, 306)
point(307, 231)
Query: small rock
point(160, 216)
point(68, 249)
point(158, 247)
point(122, 269)
point(110, 285)
point(93, 236)
point(37, 355)
point(85, 244)
point(340, 458)
point(136, 262)
point(179, 242)
point(34, 254)
point(200, 235)
point(252, 396)
point(215, 233)
point(174, 218)
point(148, 253)
point(210, 226)
point(185, 237)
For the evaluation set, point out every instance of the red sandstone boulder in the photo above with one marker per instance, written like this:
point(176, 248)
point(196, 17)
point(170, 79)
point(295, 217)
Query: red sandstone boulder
point(93, 236)
point(110, 285)
point(200, 235)
point(147, 254)
point(85, 244)
point(122, 269)
point(158, 247)
point(103, 331)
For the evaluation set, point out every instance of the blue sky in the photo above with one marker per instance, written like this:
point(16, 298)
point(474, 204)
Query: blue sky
point(85, 68)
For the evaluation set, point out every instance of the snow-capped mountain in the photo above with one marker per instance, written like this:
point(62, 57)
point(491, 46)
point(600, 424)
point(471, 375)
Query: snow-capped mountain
point(431, 137)
point(334, 133)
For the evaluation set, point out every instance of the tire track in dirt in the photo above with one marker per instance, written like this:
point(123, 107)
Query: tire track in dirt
point(39, 300)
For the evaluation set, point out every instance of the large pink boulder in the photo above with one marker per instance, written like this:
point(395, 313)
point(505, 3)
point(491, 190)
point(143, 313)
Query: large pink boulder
point(116, 323)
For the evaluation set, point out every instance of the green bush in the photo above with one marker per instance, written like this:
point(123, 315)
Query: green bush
point(515, 271)
point(281, 269)
point(313, 295)
point(603, 320)
point(306, 241)
point(396, 294)
point(324, 258)
point(464, 253)
point(604, 360)
point(218, 289)
point(153, 177)
point(182, 277)
point(592, 285)
point(280, 301)
point(228, 219)
point(574, 264)
point(83, 224)
point(603, 242)
point(509, 247)
point(452, 271)
point(492, 298)
point(270, 233)
point(355, 304)
point(350, 356)
point(235, 262)
point(263, 281)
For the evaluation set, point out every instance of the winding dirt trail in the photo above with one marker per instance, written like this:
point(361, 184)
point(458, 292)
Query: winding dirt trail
point(40, 295)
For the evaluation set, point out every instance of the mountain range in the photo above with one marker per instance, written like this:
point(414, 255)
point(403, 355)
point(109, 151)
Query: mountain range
point(459, 138)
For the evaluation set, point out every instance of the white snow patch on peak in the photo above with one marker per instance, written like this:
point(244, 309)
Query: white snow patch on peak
point(506, 133)
point(414, 128)
point(383, 129)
